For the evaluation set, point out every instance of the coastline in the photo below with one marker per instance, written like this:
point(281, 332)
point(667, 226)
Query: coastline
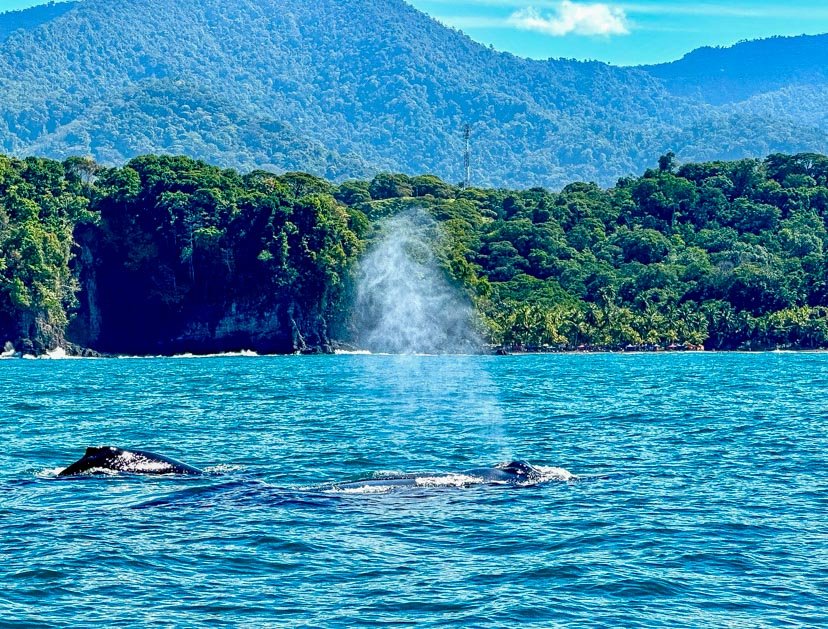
point(61, 354)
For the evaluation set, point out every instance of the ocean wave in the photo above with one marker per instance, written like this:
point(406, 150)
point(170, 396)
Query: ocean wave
point(362, 489)
point(59, 353)
point(448, 480)
point(549, 474)
point(54, 472)
point(49, 472)
point(366, 352)
point(223, 468)
point(56, 354)
point(245, 353)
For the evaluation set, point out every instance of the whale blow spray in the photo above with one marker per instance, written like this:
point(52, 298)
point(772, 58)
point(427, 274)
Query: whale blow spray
point(404, 303)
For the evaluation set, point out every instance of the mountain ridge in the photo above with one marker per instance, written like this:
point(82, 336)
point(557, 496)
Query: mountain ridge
point(26, 19)
point(741, 70)
point(349, 88)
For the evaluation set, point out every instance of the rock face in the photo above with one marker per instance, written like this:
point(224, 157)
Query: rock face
point(34, 334)
point(271, 324)
point(110, 320)
point(259, 328)
point(262, 327)
point(84, 329)
point(267, 326)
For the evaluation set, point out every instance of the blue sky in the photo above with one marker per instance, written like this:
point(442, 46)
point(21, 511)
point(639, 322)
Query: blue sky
point(12, 5)
point(622, 32)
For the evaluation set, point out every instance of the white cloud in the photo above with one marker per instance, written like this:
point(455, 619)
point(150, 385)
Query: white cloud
point(798, 9)
point(570, 17)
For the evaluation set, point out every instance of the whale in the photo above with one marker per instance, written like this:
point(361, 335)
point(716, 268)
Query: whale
point(514, 473)
point(108, 459)
point(511, 472)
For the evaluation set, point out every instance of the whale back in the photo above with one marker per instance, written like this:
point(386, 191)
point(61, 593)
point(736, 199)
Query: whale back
point(511, 472)
point(104, 459)
point(521, 469)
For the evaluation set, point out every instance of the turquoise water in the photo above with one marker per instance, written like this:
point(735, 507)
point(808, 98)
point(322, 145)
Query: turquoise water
point(702, 497)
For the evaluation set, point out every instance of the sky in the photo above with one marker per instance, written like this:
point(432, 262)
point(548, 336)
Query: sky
point(13, 5)
point(620, 32)
point(624, 33)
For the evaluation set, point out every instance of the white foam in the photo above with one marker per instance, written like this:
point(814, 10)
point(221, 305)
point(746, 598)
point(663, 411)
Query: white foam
point(56, 471)
point(364, 489)
point(245, 353)
point(50, 472)
point(223, 469)
point(56, 354)
point(554, 474)
point(242, 353)
point(547, 474)
point(448, 480)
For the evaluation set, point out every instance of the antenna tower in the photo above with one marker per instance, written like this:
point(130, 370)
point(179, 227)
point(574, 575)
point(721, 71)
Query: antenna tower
point(467, 157)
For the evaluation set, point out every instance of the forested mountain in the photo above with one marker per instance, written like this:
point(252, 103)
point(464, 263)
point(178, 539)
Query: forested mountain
point(168, 254)
point(748, 69)
point(31, 18)
point(346, 88)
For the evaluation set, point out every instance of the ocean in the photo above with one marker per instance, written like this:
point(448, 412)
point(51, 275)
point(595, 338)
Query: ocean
point(698, 495)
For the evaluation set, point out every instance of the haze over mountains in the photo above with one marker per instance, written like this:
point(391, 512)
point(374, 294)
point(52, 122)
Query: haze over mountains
point(347, 88)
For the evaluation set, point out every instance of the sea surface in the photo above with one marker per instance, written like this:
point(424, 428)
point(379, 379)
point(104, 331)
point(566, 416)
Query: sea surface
point(701, 497)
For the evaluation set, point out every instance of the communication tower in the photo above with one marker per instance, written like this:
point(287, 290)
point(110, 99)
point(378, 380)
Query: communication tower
point(467, 157)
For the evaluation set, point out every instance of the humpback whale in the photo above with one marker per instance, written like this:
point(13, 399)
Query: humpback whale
point(515, 473)
point(100, 460)
point(108, 458)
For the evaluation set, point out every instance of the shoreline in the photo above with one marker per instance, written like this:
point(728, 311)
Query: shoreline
point(60, 354)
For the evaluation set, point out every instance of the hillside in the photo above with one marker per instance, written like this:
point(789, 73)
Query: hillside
point(171, 255)
point(738, 73)
point(347, 88)
point(28, 19)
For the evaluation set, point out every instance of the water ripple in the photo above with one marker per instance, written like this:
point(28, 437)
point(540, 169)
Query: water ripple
point(699, 502)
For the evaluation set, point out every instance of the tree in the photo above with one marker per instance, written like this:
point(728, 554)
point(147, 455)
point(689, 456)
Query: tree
point(642, 245)
point(353, 193)
point(390, 186)
point(667, 163)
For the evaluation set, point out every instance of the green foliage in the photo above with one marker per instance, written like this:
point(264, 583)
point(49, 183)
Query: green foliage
point(348, 88)
point(38, 210)
point(728, 254)
point(390, 186)
point(28, 19)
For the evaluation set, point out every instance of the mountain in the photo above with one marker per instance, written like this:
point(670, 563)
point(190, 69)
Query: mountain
point(27, 19)
point(347, 88)
point(729, 75)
